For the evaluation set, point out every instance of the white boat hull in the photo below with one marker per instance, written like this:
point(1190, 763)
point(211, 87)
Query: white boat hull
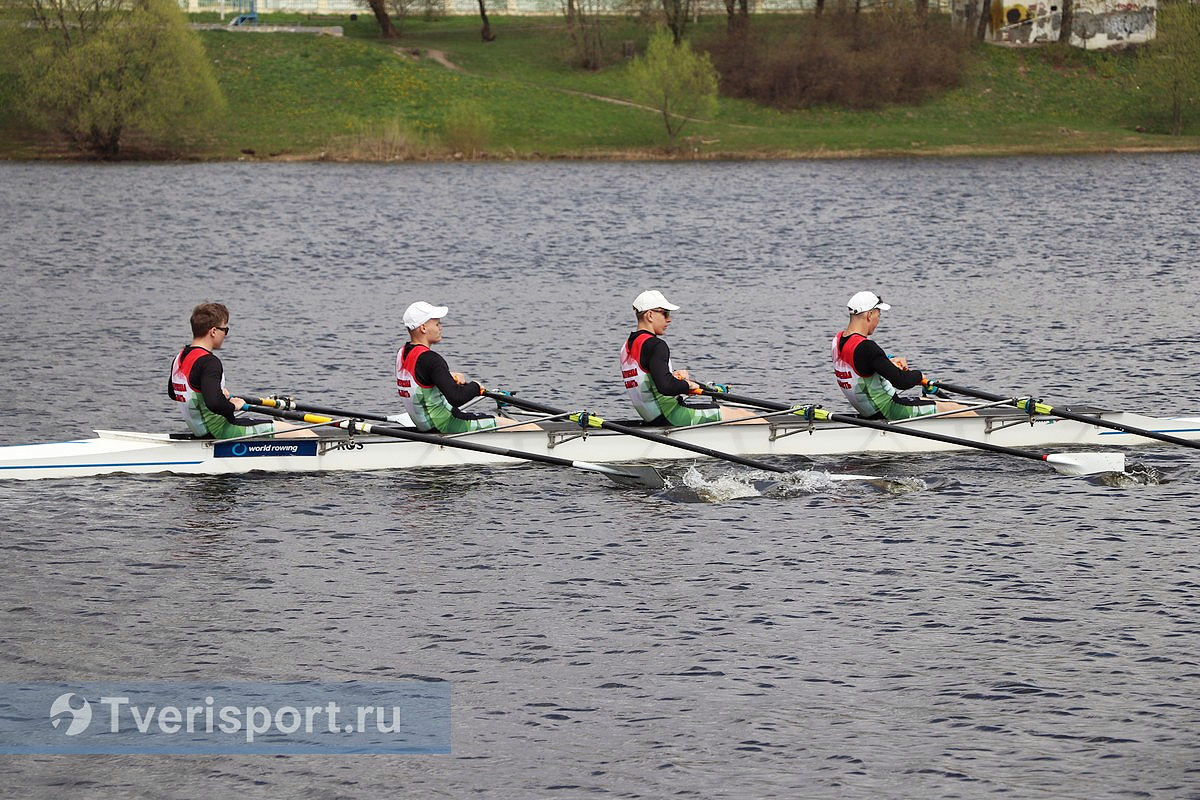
point(131, 452)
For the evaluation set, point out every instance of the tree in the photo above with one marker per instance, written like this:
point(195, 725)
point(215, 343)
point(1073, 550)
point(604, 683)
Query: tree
point(103, 68)
point(399, 11)
point(386, 29)
point(1066, 21)
point(737, 16)
point(677, 12)
point(1169, 67)
point(680, 83)
point(486, 32)
point(585, 24)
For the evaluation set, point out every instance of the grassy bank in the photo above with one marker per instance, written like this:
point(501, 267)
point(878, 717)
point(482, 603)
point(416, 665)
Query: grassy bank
point(358, 97)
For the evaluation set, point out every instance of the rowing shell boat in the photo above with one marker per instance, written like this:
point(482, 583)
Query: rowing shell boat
point(131, 452)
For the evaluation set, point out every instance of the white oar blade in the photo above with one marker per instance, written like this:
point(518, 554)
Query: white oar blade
point(637, 477)
point(1086, 463)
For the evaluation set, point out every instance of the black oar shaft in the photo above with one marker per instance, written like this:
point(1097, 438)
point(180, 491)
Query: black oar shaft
point(1052, 411)
point(846, 419)
point(429, 438)
point(530, 405)
point(749, 401)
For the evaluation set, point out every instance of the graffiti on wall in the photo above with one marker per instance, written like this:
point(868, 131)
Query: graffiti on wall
point(1096, 24)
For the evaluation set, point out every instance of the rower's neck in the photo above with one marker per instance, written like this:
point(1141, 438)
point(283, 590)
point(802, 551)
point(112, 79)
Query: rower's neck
point(859, 327)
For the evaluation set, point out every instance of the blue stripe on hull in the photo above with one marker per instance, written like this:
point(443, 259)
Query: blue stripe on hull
point(1152, 430)
point(125, 464)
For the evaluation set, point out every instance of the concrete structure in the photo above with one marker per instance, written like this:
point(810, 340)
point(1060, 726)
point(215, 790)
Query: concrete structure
point(1096, 24)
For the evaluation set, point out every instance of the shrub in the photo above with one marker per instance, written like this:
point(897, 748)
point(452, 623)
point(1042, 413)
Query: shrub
point(467, 129)
point(845, 59)
point(394, 140)
point(679, 83)
point(138, 69)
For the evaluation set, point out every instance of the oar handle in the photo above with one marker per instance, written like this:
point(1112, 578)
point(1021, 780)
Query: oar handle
point(982, 395)
point(528, 405)
point(288, 404)
point(745, 401)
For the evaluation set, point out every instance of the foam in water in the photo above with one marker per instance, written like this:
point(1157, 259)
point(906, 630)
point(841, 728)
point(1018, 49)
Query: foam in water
point(1135, 474)
point(737, 485)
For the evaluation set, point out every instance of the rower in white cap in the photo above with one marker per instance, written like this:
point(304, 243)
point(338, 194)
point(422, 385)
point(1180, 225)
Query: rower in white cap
point(872, 381)
point(662, 394)
point(432, 394)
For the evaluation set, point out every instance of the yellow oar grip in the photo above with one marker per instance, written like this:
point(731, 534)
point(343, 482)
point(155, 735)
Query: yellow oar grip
point(591, 420)
point(1038, 408)
point(811, 412)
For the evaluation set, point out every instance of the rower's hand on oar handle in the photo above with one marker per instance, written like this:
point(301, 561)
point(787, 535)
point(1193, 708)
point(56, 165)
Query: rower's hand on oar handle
point(459, 378)
point(238, 403)
point(930, 387)
point(899, 361)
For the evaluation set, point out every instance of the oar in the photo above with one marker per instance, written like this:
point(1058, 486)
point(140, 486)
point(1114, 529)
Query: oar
point(641, 477)
point(289, 404)
point(1023, 403)
point(1066, 463)
point(596, 422)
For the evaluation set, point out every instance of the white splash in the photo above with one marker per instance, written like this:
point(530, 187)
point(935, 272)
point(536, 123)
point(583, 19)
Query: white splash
point(721, 488)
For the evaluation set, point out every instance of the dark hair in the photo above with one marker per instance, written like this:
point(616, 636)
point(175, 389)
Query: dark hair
point(207, 316)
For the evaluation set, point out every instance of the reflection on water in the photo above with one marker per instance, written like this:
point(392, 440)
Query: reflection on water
point(970, 624)
point(207, 501)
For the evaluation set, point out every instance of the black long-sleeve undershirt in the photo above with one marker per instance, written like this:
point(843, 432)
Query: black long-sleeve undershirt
point(432, 370)
point(656, 361)
point(206, 374)
point(869, 359)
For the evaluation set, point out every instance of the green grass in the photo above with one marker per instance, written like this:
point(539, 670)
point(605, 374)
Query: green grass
point(301, 96)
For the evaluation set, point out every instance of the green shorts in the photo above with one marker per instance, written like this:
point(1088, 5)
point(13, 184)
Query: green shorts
point(460, 425)
point(222, 428)
point(681, 416)
point(897, 410)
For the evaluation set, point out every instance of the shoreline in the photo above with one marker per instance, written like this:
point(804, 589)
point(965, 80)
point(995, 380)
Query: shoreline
point(948, 152)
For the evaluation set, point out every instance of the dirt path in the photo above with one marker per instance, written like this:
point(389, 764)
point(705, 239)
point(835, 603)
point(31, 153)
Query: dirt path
point(416, 54)
point(440, 57)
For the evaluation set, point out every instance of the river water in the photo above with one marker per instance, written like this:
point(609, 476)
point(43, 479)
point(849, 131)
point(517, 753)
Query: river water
point(986, 627)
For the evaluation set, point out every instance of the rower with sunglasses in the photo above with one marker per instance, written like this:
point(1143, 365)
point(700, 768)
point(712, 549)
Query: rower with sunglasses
point(870, 379)
point(662, 394)
point(198, 382)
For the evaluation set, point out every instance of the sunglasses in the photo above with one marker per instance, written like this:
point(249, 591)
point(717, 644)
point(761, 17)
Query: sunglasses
point(222, 329)
point(666, 313)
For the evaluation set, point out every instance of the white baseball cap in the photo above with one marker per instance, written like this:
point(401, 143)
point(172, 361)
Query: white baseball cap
point(652, 298)
point(865, 301)
point(421, 312)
